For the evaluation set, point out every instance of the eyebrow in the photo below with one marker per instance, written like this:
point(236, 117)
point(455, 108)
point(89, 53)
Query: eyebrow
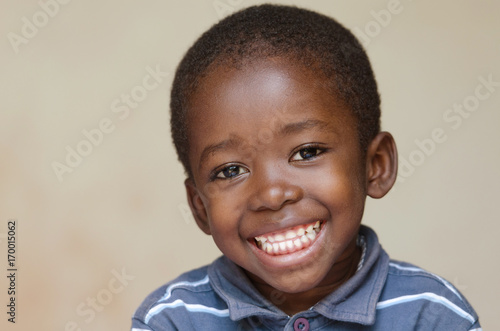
point(292, 128)
point(213, 148)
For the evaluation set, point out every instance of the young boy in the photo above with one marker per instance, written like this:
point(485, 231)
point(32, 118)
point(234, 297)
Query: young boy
point(275, 117)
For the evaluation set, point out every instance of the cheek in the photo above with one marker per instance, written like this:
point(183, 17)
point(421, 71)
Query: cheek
point(337, 186)
point(224, 214)
point(330, 179)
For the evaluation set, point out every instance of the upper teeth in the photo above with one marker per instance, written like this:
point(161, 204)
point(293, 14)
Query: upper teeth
point(285, 242)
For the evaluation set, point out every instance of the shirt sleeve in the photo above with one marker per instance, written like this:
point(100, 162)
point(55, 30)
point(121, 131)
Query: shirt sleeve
point(138, 325)
point(476, 327)
point(159, 325)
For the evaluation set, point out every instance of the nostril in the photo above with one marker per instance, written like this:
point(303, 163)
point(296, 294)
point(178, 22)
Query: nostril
point(274, 197)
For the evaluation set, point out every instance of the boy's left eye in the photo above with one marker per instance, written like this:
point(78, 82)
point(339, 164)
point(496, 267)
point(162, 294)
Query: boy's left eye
point(306, 153)
point(231, 171)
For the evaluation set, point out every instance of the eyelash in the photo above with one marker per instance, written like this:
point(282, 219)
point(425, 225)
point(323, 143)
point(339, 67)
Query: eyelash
point(216, 173)
point(319, 150)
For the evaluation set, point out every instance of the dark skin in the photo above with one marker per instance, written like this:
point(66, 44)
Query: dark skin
point(272, 149)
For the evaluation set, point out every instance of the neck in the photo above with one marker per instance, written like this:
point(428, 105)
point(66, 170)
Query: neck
point(292, 303)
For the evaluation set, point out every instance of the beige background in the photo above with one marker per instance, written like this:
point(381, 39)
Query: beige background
point(123, 208)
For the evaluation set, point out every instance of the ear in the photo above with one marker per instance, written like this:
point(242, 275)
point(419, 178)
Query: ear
point(197, 206)
point(381, 165)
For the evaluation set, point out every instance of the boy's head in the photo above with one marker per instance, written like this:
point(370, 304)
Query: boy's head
point(260, 32)
point(275, 116)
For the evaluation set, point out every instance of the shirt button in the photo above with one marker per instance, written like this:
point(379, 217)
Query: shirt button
point(301, 324)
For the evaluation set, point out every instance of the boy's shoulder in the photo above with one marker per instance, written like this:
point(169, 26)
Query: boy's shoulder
point(192, 281)
point(411, 292)
point(191, 290)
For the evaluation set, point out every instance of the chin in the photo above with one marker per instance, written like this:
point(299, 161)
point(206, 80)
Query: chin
point(295, 282)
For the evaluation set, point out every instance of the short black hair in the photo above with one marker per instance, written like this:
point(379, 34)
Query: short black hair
point(317, 41)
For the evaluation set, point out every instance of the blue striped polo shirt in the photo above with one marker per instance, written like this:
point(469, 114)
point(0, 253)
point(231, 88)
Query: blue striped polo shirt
point(382, 295)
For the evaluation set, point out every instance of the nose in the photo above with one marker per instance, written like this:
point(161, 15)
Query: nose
point(273, 190)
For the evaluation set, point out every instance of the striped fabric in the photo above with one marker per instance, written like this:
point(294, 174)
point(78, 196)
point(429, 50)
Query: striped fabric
point(383, 295)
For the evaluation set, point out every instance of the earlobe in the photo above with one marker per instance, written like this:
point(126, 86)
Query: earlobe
point(382, 165)
point(197, 206)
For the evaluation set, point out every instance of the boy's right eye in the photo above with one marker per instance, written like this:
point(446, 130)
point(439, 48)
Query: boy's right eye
point(231, 171)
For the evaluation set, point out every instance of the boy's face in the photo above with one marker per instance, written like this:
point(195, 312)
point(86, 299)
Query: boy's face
point(272, 153)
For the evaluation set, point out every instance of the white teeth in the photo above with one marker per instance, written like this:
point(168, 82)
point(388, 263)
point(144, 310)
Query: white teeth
point(309, 229)
point(282, 245)
point(311, 235)
point(279, 237)
point(294, 239)
point(261, 239)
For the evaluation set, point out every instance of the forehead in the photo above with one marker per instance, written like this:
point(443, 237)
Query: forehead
point(259, 83)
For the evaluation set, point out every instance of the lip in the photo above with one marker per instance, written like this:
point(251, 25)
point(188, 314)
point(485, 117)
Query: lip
point(288, 260)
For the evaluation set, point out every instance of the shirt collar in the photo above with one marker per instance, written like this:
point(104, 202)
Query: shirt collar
point(355, 301)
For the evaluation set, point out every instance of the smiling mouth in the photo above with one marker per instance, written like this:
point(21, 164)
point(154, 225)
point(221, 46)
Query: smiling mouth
point(289, 240)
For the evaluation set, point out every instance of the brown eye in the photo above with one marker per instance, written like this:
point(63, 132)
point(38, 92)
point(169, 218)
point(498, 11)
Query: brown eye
point(231, 171)
point(306, 153)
